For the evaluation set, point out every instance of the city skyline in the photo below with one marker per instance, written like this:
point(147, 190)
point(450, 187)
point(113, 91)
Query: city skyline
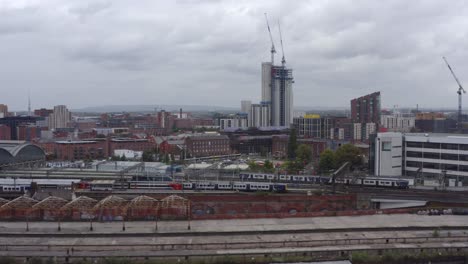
point(84, 54)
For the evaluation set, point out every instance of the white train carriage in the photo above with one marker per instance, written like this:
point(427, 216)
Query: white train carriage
point(224, 186)
point(284, 177)
point(240, 186)
point(258, 177)
point(256, 186)
point(188, 185)
point(205, 186)
point(14, 188)
point(298, 178)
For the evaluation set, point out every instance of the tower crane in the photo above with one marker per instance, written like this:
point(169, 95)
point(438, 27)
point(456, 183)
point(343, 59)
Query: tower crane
point(283, 61)
point(459, 92)
point(273, 50)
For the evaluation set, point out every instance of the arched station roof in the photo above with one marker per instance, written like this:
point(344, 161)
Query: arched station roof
point(15, 151)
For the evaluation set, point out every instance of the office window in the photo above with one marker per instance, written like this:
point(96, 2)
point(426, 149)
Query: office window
point(386, 146)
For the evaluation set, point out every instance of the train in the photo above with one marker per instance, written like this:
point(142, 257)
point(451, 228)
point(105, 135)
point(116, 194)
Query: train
point(237, 186)
point(204, 186)
point(10, 185)
point(314, 179)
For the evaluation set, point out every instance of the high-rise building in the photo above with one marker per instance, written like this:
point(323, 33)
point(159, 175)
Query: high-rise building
point(3, 110)
point(266, 82)
point(277, 91)
point(245, 106)
point(260, 115)
point(366, 109)
point(60, 117)
point(277, 94)
point(281, 96)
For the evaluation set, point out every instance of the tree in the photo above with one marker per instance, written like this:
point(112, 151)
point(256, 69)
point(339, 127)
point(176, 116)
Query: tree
point(348, 153)
point(147, 156)
point(292, 144)
point(268, 166)
point(253, 166)
point(327, 161)
point(304, 153)
point(293, 166)
point(123, 158)
point(166, 158)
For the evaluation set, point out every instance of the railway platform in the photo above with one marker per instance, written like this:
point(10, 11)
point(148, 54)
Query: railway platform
point(239, 226)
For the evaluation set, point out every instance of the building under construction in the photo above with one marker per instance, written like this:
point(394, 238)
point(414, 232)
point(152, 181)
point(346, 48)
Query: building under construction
point(276, 106)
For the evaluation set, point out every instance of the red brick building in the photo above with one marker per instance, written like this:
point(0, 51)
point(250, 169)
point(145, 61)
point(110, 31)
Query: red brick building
point(317, 146)
point(93, 148)
point(366, 109)
point(279, 146)
point(131, 144)
point(5, 132)
point(170, 146)
point(27, 132)
point(81, 149)
point(43, 112)
point(210, 145)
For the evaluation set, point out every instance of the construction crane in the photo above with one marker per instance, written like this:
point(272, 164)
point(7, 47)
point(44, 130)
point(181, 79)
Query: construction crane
point(283, 61)
point(459, 92)
point(273, 50)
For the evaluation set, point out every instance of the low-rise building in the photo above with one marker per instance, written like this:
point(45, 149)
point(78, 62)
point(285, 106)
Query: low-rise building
point(209, 145)
point(128, 154)
point(433, 159)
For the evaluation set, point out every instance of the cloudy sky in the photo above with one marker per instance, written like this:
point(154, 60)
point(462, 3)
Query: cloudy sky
point(109, 52)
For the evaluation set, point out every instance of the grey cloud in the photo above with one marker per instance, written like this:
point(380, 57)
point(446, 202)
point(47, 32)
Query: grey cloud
point(209, 52)
point(18, 20)
point(84, 10)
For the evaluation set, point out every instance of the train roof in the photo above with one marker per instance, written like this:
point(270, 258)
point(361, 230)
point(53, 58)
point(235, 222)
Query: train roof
point(11, 181)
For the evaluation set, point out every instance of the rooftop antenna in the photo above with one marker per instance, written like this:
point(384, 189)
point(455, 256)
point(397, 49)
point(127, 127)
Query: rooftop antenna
point(273, 50)
point(283, 61)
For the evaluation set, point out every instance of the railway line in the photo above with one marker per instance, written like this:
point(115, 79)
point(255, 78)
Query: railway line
point(208, 238)
point(301, 187)
point(64, 174)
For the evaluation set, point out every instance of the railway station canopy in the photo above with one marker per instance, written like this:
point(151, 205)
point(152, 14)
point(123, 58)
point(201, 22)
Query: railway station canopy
point(18, 151)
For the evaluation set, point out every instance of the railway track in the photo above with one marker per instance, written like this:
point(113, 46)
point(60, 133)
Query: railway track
point(189, 245)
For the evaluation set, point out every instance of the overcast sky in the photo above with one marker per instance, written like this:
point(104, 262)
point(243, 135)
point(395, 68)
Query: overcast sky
point(107, 52)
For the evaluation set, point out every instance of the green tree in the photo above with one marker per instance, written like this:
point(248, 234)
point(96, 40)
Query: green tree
point(268, 166)
point(253, 166)
point(348, 153)
point(293, 166)
point(304, 153)
point(292, 144)
point(327, 161)
point(166, 158)
point(123, 158)
point(147, 155)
